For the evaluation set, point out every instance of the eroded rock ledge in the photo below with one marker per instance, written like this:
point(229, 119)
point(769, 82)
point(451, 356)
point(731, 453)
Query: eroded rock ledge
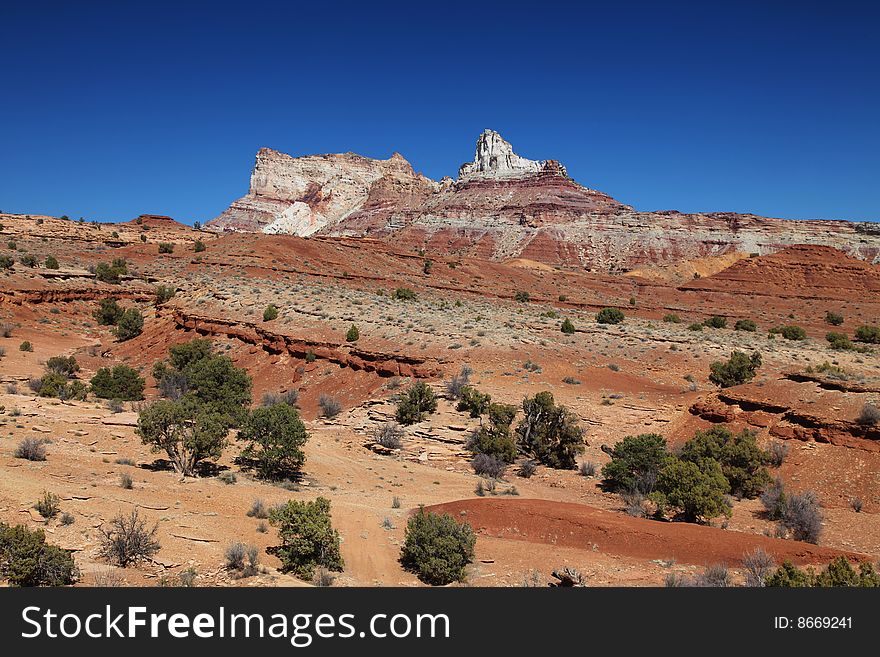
point(785, 421)
point(345, 355)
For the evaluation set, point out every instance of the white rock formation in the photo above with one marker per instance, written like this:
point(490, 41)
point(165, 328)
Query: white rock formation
point(537, 212)
point(495, 159)
point(301, 195)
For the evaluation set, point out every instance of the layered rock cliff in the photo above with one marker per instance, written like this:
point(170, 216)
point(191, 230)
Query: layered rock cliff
point(505, 206)
point(302, 195)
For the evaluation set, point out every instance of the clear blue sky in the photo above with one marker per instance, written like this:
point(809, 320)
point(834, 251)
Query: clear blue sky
point(113, 109)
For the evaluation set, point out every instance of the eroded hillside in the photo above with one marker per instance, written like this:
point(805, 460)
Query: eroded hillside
point(502, 318)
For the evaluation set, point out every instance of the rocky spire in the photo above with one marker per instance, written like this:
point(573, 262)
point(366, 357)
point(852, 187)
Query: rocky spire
point(495, 158)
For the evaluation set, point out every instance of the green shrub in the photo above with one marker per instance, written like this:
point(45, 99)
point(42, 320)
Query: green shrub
point(353, 334)
point(672, 318)
point(742, 461)
point(869, 334)
point(635, 463)
point(164, 293)
point(112, 272)
point(64, 365)
point(120, 382)
point(209, 379)
point(166, 247)
point(404, 294)
point(27, 560)
point(841, 573)
point(789, 575)
point(793, 333)
point(550, 433)
point(833, 318)
point(49, 505)
point(270, 313)
point(308, 539)
point(493, 438)
point(187, 431)
point(473, 401)
point(26, 346)
point(187, 355)
point(522, 296)
point(275, 436)
point(51, 262)
point(716, 321)
point(416, 403)
point(437, 548)
point(28, 260)
point(838, 573)
point(51, 385)
point(199, 246)
point(696, 490)
point(610, 316)
point(130, 325)
point(745, 325)
point(839, 341)
point(739, 369)
point(59, 386)
point(567, 327)
point(108, 312)
point(696, 326)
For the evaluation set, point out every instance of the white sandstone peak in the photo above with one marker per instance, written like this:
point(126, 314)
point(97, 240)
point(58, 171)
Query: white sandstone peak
point(494, 158)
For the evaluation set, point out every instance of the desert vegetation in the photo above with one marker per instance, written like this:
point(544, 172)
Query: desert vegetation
point(308, 539)
point(437, 548)
point(235, 394)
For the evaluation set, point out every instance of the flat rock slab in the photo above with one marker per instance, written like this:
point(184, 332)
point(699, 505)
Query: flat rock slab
point(195, 538)
point(35, 515)
point(121, 420)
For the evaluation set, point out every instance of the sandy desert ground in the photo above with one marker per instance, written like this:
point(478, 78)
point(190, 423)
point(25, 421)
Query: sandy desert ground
point(641, 376)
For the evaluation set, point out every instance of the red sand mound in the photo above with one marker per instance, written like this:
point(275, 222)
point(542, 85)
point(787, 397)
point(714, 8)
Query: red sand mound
point(581, 526)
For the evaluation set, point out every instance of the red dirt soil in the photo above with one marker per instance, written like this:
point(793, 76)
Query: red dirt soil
point(585, 527)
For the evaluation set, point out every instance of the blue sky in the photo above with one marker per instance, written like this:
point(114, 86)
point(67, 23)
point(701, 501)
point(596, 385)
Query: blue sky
point(110, 110)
